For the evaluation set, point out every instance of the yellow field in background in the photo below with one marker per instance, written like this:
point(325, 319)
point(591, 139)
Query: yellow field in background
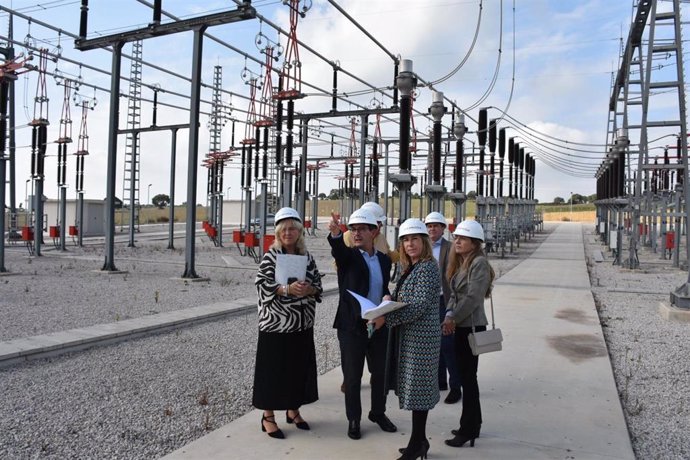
point(577, 216)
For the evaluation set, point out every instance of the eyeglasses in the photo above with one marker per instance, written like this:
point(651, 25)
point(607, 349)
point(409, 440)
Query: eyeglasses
point(359, 229)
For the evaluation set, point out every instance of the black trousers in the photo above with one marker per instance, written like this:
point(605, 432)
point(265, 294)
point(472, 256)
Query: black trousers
point(471, 418)
point(354, 349)
point(447, 361)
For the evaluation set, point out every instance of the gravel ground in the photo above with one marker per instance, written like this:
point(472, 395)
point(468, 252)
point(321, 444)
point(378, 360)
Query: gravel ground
point(146, 397)
point(649, 355)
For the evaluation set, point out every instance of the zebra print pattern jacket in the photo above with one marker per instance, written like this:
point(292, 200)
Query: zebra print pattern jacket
point(279, 313)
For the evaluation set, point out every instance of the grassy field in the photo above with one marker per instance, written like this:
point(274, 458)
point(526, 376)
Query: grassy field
point(151, 214)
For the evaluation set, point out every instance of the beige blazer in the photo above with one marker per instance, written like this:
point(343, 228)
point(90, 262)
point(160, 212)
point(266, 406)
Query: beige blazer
point(468, 290)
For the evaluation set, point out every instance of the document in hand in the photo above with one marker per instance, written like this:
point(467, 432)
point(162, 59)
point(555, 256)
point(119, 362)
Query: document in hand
point(370, 310)
point(290, 266)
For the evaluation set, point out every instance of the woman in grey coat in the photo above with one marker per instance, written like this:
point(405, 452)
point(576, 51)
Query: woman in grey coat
point(415, 336)
point(470, 276)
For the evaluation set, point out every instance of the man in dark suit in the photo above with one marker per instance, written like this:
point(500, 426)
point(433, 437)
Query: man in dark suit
point(366, 271)
point(436, 225)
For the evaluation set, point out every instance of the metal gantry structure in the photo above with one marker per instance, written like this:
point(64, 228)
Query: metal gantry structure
point(642, 183)
point(117, 41)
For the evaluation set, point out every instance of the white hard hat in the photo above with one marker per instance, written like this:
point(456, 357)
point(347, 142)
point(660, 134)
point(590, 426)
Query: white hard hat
point(470, 229)
point(287, 213)
point(412, 227)
point(362, 216)
point(435, 218)
point(376, 209)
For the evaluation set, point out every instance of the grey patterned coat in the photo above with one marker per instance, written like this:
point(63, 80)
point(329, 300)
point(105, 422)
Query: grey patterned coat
point(416, 337)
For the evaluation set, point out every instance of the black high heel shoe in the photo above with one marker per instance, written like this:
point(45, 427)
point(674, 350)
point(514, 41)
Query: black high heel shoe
point(420, 451)
point(301, 425)
point(459, 440)
point(278, 434)
point(426, 443)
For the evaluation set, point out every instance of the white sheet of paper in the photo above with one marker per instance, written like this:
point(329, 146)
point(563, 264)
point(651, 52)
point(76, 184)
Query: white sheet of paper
point(370, 310)
point(290, 266)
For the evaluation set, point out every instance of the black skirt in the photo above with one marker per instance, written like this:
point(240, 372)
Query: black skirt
point(285, 370)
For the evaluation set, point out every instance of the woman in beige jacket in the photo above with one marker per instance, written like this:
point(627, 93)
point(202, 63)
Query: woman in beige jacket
point(470, 276)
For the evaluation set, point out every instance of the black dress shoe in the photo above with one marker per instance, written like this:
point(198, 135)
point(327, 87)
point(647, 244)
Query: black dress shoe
point(453, 396)
point(384, 422)
point(353, 430)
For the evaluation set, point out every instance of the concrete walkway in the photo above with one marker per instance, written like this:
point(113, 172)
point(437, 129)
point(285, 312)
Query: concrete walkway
point(549, 394)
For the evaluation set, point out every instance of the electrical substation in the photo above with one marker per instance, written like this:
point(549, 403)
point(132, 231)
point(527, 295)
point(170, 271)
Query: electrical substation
point(371, 139)
point(271, 149)
point(228, 113)
point(155, 140)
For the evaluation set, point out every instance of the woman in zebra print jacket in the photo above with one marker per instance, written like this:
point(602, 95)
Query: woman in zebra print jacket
point(285, 369)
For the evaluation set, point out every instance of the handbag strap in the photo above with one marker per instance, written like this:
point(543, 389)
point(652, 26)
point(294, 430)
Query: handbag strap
point(493, 316)
point(491, 298)
point(493, 324)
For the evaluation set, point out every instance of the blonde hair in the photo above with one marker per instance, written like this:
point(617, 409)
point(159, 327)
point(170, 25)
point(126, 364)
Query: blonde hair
point(427, 252)
point(457, 263)
point(300, 246)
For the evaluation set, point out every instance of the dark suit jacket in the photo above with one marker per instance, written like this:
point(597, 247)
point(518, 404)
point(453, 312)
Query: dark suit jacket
point(443, 266)
point(353, 274)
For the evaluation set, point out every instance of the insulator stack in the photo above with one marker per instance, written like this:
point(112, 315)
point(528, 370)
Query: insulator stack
point(244, 165)
point(264, 166)
point(290, 126)
point(459, 161)
point(83, 18)
point(521, 165)
point(501, 156)
point(405, 109)
point(481, 135)
point(665, 172)
point(511, 156)
point(492, 153)
point(516, 163)
point(679, 161)
point(298, 171)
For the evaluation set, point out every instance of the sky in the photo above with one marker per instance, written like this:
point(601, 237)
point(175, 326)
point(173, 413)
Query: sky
point(556, 63)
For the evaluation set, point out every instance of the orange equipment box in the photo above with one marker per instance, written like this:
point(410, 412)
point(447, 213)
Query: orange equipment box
point(670, 240)
point(268, 241)
point(251, 239)
point(27, 233)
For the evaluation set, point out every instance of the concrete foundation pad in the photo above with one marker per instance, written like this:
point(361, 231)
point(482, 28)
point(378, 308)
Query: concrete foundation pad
point(672, 313)
point(110, 272)
point(191, 280)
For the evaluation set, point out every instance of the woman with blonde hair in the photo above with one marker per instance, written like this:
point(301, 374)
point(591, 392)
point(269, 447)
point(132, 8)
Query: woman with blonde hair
point(414, 341)
point(285, 369)
point(470, 276)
